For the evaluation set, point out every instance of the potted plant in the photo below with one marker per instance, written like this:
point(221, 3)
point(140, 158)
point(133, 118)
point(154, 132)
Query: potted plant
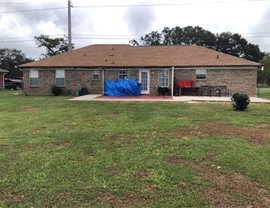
point(164, 91)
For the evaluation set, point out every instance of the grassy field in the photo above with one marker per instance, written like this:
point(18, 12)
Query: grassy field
point(60, 153)
point(263, 93)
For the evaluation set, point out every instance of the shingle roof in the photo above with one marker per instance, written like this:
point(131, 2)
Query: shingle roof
point(141, 56)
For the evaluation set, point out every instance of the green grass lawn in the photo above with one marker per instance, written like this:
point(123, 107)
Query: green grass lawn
point(60, 153)
point(263, 93)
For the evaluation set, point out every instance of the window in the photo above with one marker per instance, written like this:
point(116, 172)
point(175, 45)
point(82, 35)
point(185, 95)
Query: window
point(123, 74)
point(95, 75)
point(60, 78)
point(201, 73)
point(33, 77)
point(163, 78)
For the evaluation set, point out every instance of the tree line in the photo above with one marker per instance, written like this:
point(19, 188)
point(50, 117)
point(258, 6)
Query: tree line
point(226, 42)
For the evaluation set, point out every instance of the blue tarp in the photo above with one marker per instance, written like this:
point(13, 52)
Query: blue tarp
point(122, 87)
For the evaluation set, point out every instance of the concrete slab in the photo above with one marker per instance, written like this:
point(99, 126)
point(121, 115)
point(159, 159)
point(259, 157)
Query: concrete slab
point(189, 99)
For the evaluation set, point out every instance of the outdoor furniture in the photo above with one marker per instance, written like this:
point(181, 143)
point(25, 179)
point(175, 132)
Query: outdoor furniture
point(185, 86)
point(214, 90)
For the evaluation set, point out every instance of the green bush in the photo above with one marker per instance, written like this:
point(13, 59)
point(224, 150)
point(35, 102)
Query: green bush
point(56, 90)
point(164, 91)
point(241, 101)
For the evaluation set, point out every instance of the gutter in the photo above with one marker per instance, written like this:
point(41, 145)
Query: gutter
point(146, 67)
point(4, 80)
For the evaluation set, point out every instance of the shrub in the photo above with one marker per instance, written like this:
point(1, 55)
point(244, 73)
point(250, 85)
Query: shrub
point(83, 91)
point(164, 91)
point(241, 101)
point(56, 90)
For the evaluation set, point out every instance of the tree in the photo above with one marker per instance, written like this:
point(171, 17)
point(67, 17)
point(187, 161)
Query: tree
point(264, 76)
point(10, 58)
point(134, 42)
point(233, 44)
point(153, 38)
point(53, 46)
point(236, 45)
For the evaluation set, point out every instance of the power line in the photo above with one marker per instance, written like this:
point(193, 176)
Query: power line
point(32, 10)
point(133, 5)
point(109, 37)
point(166, 4)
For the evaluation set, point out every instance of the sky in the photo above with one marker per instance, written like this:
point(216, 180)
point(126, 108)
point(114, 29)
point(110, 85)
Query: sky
point(118, 21)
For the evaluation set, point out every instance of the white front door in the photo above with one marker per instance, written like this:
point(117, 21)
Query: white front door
point(144, 79)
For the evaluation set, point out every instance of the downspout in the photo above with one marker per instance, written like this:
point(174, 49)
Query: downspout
point(4, 81)
point(103, 79)
point(172, 86)
point(261, 68)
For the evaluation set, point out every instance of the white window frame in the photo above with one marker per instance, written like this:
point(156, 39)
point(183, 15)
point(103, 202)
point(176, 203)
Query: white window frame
point(123, 74)
point(201, 74)
point(60, 79)
point(163, 78)
point(33, 78)
point(96, 75)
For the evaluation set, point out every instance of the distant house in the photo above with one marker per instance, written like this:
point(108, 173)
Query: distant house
point(2, 78)
point(153, 66)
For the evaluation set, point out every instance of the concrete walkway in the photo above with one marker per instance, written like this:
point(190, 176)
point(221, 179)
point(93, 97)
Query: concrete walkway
point(188, 99)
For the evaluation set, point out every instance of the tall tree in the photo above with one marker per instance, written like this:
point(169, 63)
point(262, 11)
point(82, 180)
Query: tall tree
point(53, 46)
point(10, 58)
point(233, 44)
point(153, 38)
point(236, 45)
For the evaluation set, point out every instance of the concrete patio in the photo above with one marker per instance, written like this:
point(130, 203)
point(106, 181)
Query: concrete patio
point(188, 99)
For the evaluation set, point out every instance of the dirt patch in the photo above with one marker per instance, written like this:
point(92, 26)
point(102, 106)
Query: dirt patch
point(12, 197)
point(175, 160)
point(114, 201)
point(149, 188)
point(115, 171)
point(218, 198)
point(112, 137)
point(143, 173)
point(30, 109)
point(258, 135)
point(226, 187)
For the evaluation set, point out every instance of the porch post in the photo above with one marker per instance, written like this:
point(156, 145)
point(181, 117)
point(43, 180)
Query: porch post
point(172, 86)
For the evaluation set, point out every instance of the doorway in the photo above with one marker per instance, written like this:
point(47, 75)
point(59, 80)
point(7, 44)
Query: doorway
point(144, 79)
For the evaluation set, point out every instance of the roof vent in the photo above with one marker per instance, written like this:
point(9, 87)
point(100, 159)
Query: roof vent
point(217, 56)
point(106, 60)
point(112, 48)
point(111, 54)
point(113, 62)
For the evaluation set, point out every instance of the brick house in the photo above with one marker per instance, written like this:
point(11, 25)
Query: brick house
point(2, 78)
point(153, 66)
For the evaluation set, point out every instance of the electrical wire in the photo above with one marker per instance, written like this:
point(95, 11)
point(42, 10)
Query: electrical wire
point(32, 10)
point(134, 5)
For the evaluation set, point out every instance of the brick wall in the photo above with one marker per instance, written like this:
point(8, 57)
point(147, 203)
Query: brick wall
point(114, 74)
point(79, 79)
point(46, 80)
point(73, 80)
point(154, 81)
point(236, 80)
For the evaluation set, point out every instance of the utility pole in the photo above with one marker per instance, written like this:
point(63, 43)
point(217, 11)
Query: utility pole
point(69, 26)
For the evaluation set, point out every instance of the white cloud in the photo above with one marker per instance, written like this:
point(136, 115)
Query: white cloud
point(119, 24)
